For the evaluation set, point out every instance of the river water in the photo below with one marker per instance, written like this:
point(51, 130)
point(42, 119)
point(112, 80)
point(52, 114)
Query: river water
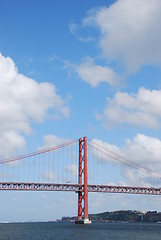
point(95, 231)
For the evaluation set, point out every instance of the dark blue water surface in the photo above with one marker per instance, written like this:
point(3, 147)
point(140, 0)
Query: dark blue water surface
point(110, 231)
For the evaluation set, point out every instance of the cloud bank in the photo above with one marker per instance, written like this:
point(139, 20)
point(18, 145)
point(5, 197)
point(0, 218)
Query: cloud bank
point(142, 109)
point(95, 74)
point(142, 150)
point(129, 32)
point(23, 101)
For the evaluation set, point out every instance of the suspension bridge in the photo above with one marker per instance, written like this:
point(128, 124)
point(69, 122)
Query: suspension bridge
point(65, 168)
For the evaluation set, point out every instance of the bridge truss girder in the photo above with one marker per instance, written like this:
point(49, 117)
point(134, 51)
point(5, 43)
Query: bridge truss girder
point(78, 188)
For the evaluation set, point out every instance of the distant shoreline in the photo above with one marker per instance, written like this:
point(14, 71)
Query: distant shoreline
point(107, 217)
point(121, 216)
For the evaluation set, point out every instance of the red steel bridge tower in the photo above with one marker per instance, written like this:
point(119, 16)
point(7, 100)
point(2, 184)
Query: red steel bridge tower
point(29, 174)
point(83, 191)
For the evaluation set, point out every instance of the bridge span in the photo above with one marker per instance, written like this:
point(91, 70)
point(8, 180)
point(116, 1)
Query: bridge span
point(65, 168)
point(78, 188)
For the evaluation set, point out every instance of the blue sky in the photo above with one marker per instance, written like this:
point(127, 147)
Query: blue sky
point(75, 68)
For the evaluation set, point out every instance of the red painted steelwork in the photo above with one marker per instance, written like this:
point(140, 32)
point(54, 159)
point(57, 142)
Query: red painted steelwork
point(20, 186)
point(85, 181)
point(9, 160)
point(40, 186)
point(80, 181)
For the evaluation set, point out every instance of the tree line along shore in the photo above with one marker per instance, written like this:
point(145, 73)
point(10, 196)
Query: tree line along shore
point(121, 216)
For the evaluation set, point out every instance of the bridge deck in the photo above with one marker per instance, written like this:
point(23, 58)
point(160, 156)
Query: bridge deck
point(77, 188)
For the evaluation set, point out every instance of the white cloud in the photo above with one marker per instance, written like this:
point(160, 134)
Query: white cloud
point(75, 30)
point(130, 32)
point(72, 169)
point(49, 176)
point(23, 100)
point(98, 202)
point(141, 110)
point(142, 150)
point(94, 74)
point(51, 140)
point(9, 141)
